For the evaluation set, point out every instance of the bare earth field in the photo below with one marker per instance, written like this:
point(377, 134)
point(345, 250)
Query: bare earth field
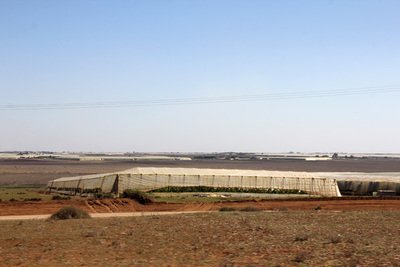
point(294, 238)
point(36, 171)
point(129, 205)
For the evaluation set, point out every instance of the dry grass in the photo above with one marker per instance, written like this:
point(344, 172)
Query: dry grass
point(21, 193)
point(225, 238)
point(27, 192)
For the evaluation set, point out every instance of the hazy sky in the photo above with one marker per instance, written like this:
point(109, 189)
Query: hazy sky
point(58, 52)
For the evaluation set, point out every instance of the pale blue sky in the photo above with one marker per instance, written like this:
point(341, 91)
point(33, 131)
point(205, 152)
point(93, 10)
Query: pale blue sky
point(55, 52)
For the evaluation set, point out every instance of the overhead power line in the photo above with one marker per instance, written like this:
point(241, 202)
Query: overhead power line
point(207, 100)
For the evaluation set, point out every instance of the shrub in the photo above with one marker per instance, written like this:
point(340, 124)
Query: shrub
point(70, 213)
point(301, 238)
point(227, 209)
point(33, 199)
point(57, 197)
point(250, 208)
point(100, 195)
point(336, 239)
point(178, 189)
point(301, 257)
point(137, 195)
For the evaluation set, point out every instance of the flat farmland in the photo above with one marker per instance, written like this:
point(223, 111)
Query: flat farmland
point(295, 238)
point(347, 231)
point(37, 171)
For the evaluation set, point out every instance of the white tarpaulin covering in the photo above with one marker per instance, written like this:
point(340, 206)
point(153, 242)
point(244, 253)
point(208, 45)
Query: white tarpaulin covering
point(147, 179)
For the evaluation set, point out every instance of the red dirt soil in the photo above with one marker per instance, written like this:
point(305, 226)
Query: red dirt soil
point(129, 205)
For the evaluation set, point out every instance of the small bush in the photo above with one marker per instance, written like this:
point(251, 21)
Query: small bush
point(301, 238)
point(336, 239)
point(137, 195)
point(33, 199)
point(301, 257)
point(227, 209)
point(250, 208)
point(177, 189)
point(100, 195)
point(67, 213)
point(57, 197)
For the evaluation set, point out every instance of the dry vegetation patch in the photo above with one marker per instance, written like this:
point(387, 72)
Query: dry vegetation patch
point(23, 193)
point(226, 238)
point(67, 213)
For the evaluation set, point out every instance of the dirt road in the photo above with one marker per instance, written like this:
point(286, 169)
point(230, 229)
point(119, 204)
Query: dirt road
point(130, 206)
point(95, 215)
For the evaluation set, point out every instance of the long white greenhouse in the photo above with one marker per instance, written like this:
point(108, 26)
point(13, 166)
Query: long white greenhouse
point(146, 179)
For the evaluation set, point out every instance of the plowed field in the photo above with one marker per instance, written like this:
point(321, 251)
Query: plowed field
point(37, 171)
